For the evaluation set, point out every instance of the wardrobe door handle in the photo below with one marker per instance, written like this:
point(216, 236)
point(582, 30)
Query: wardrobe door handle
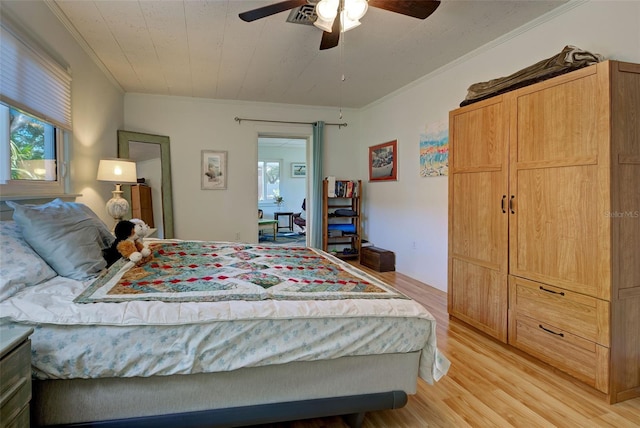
point(551, 291)
point(551, 331)
point(504, 199)
point(511, 204)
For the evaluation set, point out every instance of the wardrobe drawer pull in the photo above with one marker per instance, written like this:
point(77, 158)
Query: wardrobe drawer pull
point(551, 291)
point(551, 331)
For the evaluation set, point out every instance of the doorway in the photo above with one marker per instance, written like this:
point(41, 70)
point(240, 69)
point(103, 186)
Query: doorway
point(282, 186)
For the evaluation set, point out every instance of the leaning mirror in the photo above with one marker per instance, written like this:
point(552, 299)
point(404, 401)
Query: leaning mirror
point(153, 163)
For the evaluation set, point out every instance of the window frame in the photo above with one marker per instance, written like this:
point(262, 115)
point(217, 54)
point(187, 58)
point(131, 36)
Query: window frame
point(9, 187)
point(269, 202)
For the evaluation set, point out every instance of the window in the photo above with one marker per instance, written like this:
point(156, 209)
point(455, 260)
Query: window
point(32, 145)
point(35, 116)
point(31, 148)
point(268, 180)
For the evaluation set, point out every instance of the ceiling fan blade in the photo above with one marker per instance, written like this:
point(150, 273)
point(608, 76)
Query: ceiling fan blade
point(330, 40)
point(420, 9)
point(272, 9)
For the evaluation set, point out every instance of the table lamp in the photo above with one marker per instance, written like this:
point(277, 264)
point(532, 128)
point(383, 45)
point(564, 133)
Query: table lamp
point(118, 171)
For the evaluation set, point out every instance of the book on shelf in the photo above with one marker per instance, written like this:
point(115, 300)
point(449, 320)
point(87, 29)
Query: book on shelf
point(331, 186)
point(346, 189)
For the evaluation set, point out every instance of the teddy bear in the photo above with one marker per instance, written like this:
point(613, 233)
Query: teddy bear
point(128, 243)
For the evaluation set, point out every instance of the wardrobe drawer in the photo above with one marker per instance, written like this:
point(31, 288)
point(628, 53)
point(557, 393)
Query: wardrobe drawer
point(582, 359)
point(580, 315)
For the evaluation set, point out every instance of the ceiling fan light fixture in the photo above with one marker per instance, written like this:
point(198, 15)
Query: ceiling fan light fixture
point(347, 23)
point(323, 24)
point(355, 9)
point(327, 10)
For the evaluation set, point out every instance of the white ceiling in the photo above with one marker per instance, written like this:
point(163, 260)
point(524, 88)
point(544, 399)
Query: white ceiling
point(199, 48)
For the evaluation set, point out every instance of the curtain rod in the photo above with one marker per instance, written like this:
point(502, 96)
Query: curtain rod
point(239, 120)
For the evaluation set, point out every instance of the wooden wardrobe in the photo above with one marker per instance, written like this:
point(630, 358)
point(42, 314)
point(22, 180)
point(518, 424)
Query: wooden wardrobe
point(544, 222)
point(141, 204)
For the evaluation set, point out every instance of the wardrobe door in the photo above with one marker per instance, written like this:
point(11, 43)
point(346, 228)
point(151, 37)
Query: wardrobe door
point(478, 216)
point(559, 184)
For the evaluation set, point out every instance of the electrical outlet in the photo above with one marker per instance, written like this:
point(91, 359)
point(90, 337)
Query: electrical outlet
point(414, 245)
point(237, 236)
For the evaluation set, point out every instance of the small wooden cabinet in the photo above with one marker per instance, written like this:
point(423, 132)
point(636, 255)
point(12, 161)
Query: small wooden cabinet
point(544, 222)
point(141, 204)
point(378, 259)
point(341, 218)
point(15, 373)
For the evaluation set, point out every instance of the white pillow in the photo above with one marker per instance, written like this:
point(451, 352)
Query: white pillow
point(67, 235)
point(20, 265)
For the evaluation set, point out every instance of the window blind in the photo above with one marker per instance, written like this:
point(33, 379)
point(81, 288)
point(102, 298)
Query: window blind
point(33, 81)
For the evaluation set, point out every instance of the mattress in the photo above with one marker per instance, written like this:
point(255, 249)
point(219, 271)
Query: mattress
point(141, 338)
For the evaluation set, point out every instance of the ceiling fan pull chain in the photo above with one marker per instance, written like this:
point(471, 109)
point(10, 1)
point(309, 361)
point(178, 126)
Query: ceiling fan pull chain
point(342, 78)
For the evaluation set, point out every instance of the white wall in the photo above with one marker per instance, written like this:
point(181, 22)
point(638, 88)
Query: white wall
point(98, 104)
point(413, 210)
point(195, 124)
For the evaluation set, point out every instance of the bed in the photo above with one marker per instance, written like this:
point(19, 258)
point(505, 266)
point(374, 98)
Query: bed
point(206, 333)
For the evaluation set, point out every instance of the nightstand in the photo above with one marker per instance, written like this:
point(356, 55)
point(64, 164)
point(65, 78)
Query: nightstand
point(15, 376)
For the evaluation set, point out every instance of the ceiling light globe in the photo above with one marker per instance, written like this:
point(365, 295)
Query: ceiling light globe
point(324, 24)
point(356, 8)
point(347, 23)
point(327, 9)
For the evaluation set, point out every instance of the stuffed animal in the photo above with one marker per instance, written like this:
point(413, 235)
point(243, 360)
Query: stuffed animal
point(142, 228)
point(128, 244)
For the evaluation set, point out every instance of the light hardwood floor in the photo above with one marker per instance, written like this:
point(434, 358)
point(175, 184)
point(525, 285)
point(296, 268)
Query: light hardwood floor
point(488, 385)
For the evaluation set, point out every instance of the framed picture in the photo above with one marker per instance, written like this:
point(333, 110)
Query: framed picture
point(383, 161)
point(298, 169)
point(214, 170)
point(434, 150)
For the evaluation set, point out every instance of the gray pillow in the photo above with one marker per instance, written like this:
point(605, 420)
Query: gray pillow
point(20, 266)
point(67, 235)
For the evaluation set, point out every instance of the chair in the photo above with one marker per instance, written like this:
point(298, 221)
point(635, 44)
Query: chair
point(298, 220)
point(263, 224)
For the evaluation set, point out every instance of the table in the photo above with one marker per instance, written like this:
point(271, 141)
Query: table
point(269, 224)
point(289, 215)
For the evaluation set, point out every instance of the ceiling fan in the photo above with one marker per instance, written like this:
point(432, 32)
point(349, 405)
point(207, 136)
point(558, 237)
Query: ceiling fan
point(336, 16)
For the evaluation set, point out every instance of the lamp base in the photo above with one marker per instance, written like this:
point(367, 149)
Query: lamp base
point(117, 206)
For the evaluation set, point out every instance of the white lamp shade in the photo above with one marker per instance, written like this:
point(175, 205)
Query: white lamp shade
point(117, 171)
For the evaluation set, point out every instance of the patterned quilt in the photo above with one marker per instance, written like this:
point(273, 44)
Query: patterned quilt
point(217, 271)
